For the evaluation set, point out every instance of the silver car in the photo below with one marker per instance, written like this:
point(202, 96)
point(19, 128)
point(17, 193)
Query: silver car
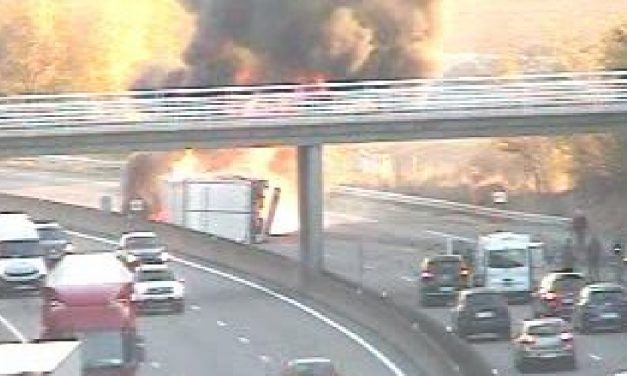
point(544, 342)
point(310, 367)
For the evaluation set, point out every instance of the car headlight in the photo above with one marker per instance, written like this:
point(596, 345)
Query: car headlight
point(69, 248)
point(164, 257)
point(131, 258)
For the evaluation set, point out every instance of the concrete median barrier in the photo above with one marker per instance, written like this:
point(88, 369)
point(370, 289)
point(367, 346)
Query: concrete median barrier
point(426, 347)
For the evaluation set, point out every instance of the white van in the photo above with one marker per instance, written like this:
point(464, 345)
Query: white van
point(509, 263)
point(22, 263)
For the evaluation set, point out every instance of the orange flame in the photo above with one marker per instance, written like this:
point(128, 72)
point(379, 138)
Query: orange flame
point(186, 167)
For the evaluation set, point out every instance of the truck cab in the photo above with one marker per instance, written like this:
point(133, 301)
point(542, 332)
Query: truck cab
point(87, 297)
point(22, 263)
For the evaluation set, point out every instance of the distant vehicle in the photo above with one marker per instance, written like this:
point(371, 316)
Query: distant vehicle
point(141, 247)
point(557, 294)
point(22, 264)
point(87, 297)
point(54, 240)
point(601, 306)
point(50, 358)
point(481, 311)
point(310, 367)
point(508, 263)
point(544, 342)
point(441, 278)
point(156, 287)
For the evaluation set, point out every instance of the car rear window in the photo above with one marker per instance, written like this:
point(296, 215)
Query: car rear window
point(155, 275)
point(445, 266)
point(569, 283)
point(546, 329)
point(484, 299)
point(606, 296)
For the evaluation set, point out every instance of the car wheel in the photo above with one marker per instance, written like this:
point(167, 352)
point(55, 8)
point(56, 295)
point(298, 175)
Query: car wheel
point(179, 307)
point(571, 363)
point(425, 301)
point(583, 326)
point(521, 365)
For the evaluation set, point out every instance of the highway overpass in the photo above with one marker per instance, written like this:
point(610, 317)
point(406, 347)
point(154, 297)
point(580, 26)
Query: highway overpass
point(309, 116)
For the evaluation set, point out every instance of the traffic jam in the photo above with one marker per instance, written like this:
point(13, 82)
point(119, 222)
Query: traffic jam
point(508, 268)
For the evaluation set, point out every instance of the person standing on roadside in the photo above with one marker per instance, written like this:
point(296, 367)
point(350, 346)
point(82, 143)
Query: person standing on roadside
point(568, 255)
point(618, 257)
point(593, 257)
point(580, 228)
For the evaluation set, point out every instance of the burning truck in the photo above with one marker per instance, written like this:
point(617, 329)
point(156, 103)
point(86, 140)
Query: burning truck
point(178, 192)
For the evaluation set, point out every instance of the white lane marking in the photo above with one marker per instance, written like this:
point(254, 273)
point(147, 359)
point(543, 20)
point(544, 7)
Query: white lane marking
point(495, 371)
point(369, 267)
point(330, 218)
point(221, 323)
point(265, 358)
point(155, 365)
point(243, 340)
point(452, 236)
point(360, 341)
point(595, 357)
point(15, 331)
point(195, 308)
point(408, 278)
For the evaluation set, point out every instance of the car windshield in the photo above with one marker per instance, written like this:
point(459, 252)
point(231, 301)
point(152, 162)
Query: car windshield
point(545, 329)
point(155, 275)
point(47, 234)
point(569, 283)
point(142, 242)
point(507, 258)
point(103, 349)
point(21, 249)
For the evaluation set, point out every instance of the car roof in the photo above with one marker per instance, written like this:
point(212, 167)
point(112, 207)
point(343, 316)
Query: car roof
point(139, 234)
point(152, 268)
point(604, 286)
point(444, 257)
point(543, 321)
point(314, 360)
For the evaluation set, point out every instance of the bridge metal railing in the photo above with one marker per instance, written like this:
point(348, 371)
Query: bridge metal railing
point(324, 104)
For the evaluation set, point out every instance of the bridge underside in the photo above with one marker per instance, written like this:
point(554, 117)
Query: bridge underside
point(84, 140)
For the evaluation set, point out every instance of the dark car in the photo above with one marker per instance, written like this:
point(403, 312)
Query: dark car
point(53, 239)
point(557, 294)
point(601, 306)
point(441, 278)
point(481, 311)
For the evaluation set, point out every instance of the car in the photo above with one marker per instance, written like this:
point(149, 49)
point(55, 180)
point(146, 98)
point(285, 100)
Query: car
point(441, 278)
point(557, 294)
point(54, 239)
point(310, 367)
point(544, 342)
point(601, 306)
point(156, 288)
point(481, 310)
point(141, 247)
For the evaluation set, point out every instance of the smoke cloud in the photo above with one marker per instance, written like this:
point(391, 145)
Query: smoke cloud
point(251, 41)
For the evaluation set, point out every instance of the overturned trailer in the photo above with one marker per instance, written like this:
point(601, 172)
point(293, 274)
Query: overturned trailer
point(232, 208)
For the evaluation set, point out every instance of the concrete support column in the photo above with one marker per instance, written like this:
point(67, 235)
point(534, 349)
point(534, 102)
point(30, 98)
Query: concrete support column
point(310, 205)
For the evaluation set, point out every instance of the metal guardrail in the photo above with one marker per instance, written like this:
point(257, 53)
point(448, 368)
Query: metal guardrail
point(451, 205)
point(324, 104)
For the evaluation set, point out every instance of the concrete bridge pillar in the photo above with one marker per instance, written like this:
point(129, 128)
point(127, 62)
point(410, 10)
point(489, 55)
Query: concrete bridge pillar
point(310, 205)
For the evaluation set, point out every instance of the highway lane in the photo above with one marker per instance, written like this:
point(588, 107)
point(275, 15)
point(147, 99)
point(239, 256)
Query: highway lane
point(227, 328)
point(392, 240)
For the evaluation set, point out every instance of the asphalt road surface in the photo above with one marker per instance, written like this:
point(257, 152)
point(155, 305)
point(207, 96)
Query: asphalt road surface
point(380, 245)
